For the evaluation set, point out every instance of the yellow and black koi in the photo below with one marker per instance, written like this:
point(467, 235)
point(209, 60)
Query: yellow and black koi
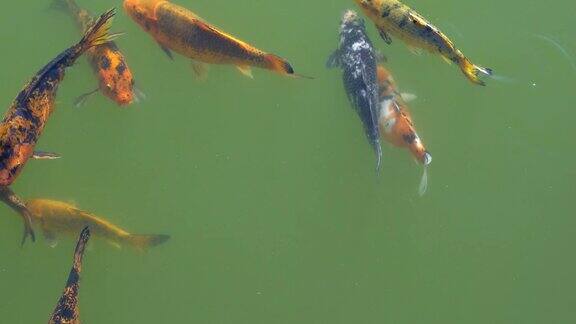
point(109, 64)
point(67, 310)
point(393, 18)
point(56, 217)
point(177, 29)
point(27, 116)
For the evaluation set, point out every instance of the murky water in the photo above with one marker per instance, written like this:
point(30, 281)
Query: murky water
point(268, 189)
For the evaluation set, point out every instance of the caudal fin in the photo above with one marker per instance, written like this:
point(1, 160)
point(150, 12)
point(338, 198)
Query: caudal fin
point(144, 242)
point(474, 72)
point(278, 64)
point(423, 187)
point(97, 34)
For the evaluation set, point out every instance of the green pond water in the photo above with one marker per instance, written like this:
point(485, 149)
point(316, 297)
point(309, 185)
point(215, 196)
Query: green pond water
point(267, 186)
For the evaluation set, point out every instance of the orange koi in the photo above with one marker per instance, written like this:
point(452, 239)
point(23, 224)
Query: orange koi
point(180, 30)
point(108, 63)
point(396, 126)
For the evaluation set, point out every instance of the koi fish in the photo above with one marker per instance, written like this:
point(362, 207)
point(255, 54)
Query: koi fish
point(27, 116)
point(67, 310)
point(177, 29)
point(108, 63)
point(358, 60)
point(393, 18)
point(396, 126)
point(55, 217)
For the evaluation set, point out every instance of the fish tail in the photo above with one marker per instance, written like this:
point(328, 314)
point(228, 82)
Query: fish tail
point(278, 64)
point(80, 247)
point(98, 34)
point(474, 72)
point(144, 242)
point(423, 187)
point(18, 205)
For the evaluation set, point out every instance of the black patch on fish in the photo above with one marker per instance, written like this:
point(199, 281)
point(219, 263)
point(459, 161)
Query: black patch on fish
point(121, 68)
point(288, 68)
point(104, 63)
point(409, 138)
point(386, 12)
point(402, 23)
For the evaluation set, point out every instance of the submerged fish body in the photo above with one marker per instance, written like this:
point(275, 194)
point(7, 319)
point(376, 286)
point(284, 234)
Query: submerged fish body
point(358, 60)
point(26, 118)
point(107, 61)
point(180, 30)
point(67, 310)
point(393, 18)
point(396, 125)
point(58, 218)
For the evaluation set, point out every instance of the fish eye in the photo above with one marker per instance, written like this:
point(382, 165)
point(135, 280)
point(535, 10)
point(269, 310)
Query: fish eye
point(108, 86)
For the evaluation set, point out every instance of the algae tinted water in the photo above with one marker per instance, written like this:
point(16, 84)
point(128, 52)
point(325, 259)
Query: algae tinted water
point(267, 186)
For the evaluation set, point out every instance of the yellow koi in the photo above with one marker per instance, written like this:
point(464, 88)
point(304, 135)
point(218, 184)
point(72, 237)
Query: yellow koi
point(56, 217)
point(392, 17)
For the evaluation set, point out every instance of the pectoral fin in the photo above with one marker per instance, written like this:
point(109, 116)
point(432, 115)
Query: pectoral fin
point(167, 51)
point(246, 70)
point(415, 50)
point(446, 60)
point(200, 70)
point(381, 57)
point(333, 60)
point(40, 155)
point(50, 238)
point(81, 100)
point(384, 35)
point(408, 97)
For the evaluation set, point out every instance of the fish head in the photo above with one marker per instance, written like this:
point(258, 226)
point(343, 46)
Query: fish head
point(118, 87)
point(370, 7)
point(142, 11)
point(350, 18)
point(116, 81)
point(351, 26)
point(419, 151)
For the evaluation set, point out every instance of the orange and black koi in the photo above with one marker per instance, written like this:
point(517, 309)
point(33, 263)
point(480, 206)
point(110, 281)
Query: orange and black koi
point(396, 126)
point(178, 29)
point(27, 116)
point(109, 64)
point(67, 310)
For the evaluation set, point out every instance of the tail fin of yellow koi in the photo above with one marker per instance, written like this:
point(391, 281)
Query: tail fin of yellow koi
point(474, 72)
point(144, 242)
point(97, 34)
